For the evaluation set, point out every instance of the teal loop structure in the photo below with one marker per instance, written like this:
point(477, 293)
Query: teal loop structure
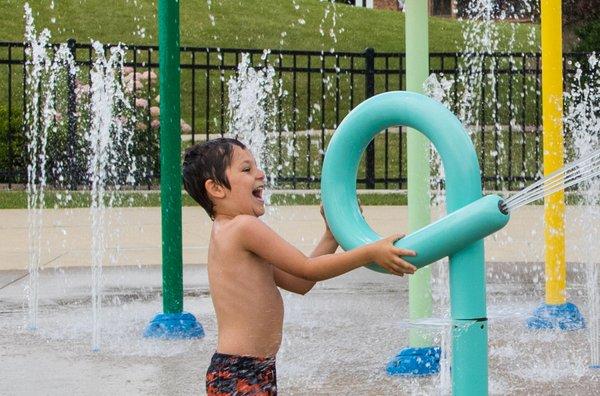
point(360, 127)
point(458, 235)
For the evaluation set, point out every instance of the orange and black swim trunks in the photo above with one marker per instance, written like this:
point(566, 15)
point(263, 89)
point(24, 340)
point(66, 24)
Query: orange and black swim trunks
point(241, 376)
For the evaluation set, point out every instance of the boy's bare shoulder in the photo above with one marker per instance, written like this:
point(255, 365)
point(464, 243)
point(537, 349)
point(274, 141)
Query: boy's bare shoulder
point(242, 224)
point(244, 231)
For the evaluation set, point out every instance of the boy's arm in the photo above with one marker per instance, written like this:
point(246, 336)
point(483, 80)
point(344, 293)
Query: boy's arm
point(256, 237)
point(294, 284)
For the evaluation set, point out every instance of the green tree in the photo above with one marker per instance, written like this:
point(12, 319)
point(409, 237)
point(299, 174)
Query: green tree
point(577, 12)
point(581, 20)
point(588, 37)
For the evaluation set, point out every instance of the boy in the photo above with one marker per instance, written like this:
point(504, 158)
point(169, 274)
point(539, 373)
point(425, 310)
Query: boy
point(248, 261)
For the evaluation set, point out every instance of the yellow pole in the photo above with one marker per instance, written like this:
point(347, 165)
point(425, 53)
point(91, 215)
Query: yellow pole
point(552, 111)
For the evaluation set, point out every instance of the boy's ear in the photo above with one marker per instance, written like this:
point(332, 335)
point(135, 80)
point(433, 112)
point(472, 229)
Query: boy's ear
point(214, 190)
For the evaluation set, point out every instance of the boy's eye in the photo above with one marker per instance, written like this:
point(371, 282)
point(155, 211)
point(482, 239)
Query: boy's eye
point(246, 170)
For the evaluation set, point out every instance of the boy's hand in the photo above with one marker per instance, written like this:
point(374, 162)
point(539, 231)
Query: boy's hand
point(387, 255)
point(327, 229)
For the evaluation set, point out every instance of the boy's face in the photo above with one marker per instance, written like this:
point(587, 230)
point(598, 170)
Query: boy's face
point(247, 183)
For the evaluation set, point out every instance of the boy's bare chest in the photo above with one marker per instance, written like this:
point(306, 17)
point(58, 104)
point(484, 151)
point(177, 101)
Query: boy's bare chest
point(242, 273)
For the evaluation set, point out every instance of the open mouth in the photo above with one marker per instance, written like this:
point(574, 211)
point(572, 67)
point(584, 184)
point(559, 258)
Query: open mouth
point(258, 191)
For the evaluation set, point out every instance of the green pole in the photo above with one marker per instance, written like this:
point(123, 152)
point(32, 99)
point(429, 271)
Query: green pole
point(170, 148)
point(172, 323)
point(417, 71)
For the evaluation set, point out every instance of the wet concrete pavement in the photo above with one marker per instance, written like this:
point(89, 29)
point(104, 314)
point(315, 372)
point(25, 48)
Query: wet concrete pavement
point(337, 339)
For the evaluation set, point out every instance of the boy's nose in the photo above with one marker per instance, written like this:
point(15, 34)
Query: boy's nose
point(261, 174)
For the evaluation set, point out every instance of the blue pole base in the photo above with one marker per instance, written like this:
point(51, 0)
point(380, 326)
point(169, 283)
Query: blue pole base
point(417, 362)
point(173, 326)
point(563, 317)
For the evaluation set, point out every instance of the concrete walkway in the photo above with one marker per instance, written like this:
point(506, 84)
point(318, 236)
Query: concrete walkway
point(134, 236)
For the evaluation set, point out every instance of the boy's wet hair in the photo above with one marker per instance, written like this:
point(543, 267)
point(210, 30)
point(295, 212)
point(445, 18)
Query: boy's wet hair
point(208, 161)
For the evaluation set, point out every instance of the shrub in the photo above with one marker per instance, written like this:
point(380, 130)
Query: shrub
point(577, 11)
point(589, 37)
point(17, 143)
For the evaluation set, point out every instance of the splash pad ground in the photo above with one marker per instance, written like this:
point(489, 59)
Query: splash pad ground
point(337, 339)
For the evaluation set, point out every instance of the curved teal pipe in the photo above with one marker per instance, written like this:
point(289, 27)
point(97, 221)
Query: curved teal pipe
point(461, 168)
point(463, 187)
point(455, 231)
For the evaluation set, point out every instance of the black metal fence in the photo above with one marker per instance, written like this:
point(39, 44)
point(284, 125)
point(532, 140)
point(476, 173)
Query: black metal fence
point(315, 91)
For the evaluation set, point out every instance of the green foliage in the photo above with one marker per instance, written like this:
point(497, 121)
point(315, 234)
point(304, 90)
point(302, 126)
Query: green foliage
point(589, 36)
point(577, 11)
point(11, 130)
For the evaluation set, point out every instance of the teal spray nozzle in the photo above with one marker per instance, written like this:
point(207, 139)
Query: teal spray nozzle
point(454, 232)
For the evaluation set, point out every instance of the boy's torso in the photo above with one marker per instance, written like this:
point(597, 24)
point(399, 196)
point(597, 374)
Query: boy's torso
point(247, 302)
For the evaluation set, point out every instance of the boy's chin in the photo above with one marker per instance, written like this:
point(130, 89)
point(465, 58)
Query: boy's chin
point(258, 209)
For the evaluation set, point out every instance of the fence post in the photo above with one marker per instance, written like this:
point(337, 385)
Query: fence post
point(369, 92)
point(11, 169)
point(72, 122)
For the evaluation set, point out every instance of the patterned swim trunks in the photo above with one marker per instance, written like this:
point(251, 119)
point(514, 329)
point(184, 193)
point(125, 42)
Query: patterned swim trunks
point(241, 376)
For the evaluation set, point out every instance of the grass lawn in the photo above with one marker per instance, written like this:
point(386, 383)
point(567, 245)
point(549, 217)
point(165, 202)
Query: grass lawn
point(241, 24)
point(81, 199)
point(272, 24)
point(258, 24)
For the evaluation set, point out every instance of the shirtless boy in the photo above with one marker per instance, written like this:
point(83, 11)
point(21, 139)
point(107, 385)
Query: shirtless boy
point(248, 261)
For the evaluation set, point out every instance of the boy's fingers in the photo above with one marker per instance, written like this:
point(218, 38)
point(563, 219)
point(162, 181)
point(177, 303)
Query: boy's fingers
point(396, 237)
point(394, 269)
point(405, 252)
point(405, 265)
